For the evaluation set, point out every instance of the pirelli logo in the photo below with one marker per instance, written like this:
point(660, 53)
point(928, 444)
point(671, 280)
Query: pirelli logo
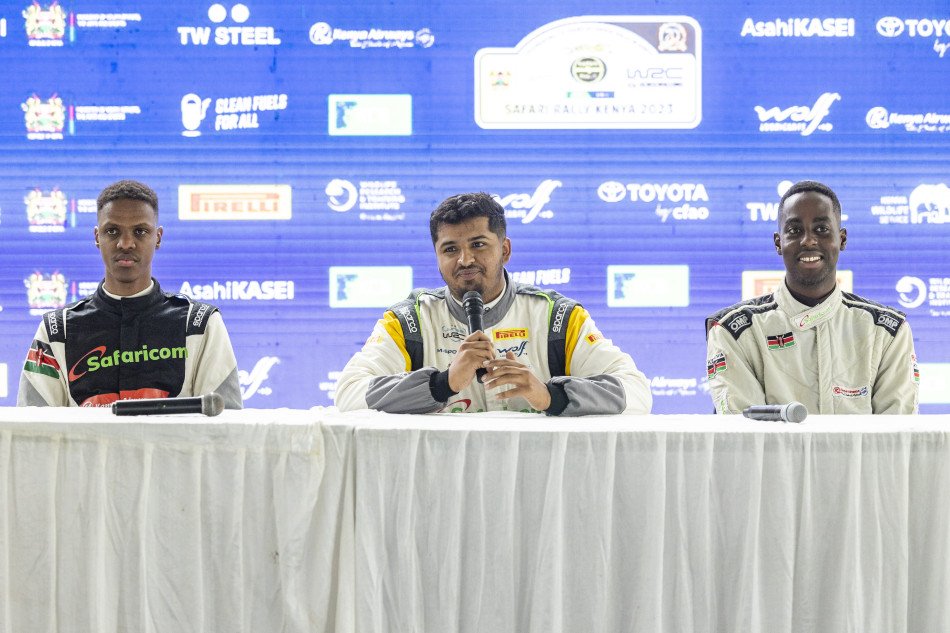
point(234, 202)
point(593, 338)
point(509, 334)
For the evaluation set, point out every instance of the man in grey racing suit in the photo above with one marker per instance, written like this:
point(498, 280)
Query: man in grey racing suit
point(808, 341)
point(541, 351)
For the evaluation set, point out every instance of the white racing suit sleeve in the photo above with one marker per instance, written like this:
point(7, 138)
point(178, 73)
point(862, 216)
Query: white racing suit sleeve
point(733, 382)
point(43, 379)
point(379, 376)
point(896, 387)
point(215, 365)
point(602, 379)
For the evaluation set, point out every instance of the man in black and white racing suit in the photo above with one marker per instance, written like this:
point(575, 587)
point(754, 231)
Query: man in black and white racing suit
point(129, 340)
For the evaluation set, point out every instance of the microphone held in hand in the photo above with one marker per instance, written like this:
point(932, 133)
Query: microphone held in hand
point(474, 309)
point(791, 412)
point(209, 404)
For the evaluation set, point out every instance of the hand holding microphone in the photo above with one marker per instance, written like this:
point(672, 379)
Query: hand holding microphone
point(791, 412)
point(210, 404)
point(474, 309)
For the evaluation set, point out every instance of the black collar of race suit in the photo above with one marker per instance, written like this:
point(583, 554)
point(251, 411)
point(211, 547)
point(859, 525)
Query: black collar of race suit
point(134, 304)
point(493, 315)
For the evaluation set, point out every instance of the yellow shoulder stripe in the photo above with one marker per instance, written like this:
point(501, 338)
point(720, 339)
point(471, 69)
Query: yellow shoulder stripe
point(391, 323)
point(578, 316)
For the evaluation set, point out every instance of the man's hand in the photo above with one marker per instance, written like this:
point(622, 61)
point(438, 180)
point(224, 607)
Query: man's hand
point(473, 352)
point(508, 371)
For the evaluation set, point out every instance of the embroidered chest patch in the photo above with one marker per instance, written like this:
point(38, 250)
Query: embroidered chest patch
point(781, 341)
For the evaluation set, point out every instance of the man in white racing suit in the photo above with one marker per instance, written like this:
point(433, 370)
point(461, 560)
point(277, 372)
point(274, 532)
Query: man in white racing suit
point(541, 351)
point(808, 341)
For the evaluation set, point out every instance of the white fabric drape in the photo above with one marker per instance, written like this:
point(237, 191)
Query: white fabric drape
point(151, 524)
point(686, 523)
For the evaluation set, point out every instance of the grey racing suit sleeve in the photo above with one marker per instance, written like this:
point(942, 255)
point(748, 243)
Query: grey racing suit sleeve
point(896, 387)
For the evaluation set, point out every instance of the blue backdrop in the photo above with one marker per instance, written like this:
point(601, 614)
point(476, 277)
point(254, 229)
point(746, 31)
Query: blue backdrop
point(640, 149)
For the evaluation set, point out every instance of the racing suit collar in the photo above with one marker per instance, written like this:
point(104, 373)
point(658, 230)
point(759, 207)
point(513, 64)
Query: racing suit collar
point(497, 309)
point(804, 317)
point(134, 304)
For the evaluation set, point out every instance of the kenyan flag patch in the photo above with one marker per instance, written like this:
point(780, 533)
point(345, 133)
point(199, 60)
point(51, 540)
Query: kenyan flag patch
point(781, 341)
point(715, 365)
point(40, 360)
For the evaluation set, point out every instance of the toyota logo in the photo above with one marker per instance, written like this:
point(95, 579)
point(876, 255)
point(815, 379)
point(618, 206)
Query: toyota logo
point(611, 191)
point(890, 26)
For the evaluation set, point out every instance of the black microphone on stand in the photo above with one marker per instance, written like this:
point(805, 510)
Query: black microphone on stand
point(208, 404)
point(474, 309)
point(791, 412)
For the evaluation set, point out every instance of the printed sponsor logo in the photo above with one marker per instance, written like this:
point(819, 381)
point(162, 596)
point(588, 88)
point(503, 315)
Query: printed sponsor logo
point(663, 194)
point(927, 204)
point(322, 34)
point(234, 202)
point(891, 27)
point(544, 277)
point(647, 286)
point(914, 292)
point(781, 341)
point(369, 114)
point(100, 358)
point(715, 365)
point(756, 283)
point(739, 322)
point(809, 318)
point(46, 213)
point(518, 349)
point(454, 333)
point(235, 33)
point(253, 382)
point(4, 390)
point(888, 321)
point(559, 318)
point(48, 120)
point(410, 317)
point(461, 405)
point(239, 291)
point(663, 386)
point(377, 200)
point(799, 27)
point(606, 72)
point(593, 338)
point(935, 386)
point(232, 114)
point(504, 335)
point(375, 339)
point(52, 323)
point(879, 118)
point(848, 392)
point(529, 207)
point(369, 286)
point(801, 119)
point(45, 292)
point(200, 315)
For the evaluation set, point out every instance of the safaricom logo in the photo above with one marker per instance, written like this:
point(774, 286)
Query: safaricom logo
point(99, 358)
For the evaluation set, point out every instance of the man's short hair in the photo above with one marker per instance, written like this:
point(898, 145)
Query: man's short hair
point(464, 207)
point(127, 190)
point(811, 185)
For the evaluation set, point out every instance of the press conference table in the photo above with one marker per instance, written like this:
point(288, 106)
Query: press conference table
point(286, 520)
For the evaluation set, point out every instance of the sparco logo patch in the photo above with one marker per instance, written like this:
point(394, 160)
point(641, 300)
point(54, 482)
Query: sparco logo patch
point(52, 322)
point(410, 319)
point(559, 318)
point(200, 315)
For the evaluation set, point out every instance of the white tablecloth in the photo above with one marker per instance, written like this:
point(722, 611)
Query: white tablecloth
point(172, 523)
point(665, 523)
point(321, 521)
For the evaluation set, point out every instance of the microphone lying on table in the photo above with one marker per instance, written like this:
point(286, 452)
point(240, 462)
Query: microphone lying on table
point(791, 412)
point(208, 404)
point(474, 309)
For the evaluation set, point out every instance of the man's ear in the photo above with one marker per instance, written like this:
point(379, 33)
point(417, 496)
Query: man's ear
point(778, 243)
point(158, 238)
point(95, 232)
point(844, 238)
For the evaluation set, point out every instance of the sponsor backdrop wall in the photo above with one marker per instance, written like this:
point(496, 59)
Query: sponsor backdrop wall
point(640, 149)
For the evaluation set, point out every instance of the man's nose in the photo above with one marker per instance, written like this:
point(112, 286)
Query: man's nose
point(125, 241)
point(809, 238)
point(466, 257)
